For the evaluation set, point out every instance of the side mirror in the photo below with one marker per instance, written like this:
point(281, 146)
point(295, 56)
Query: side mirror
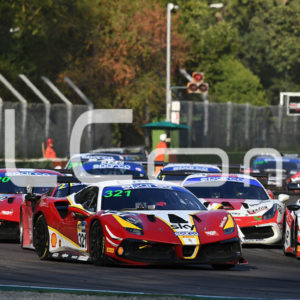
point(79, 211)
point(283, 197)
point(293, 207)
point(32, 197)
point(270, 193)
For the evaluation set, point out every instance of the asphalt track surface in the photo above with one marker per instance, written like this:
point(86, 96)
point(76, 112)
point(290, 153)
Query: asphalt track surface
point(269, 274)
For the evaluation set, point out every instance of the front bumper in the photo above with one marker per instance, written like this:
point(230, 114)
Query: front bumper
point(266, 234)
point(228, 251)
point(9, 230)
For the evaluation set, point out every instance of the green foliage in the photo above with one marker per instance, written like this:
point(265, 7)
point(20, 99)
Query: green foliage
point(115, 51)
point(270, 42)
point(236, 83)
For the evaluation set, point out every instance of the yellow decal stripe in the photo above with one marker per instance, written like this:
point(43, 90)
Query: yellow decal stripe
point(66, 238)
point(125, 223)
point(181, 238)
point(70, 200)
point(229, 223)
point(197, 239)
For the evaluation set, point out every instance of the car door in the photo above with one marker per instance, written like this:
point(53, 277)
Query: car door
point(73, 226)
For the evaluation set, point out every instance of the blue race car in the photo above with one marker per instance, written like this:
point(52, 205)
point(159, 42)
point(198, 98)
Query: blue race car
point(113, 167)
point(79, 159)
point(179, 171)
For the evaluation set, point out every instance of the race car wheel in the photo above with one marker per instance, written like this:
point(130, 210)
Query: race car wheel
point(97, 244)
point(223, 266)
point(41, 238)
point(21, 229)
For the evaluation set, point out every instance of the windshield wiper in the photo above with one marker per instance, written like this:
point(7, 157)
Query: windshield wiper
point(140, 208)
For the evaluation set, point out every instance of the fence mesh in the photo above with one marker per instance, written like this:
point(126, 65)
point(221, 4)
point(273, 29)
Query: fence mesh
point(232, 127)
point(239, 126)
point(31, 130)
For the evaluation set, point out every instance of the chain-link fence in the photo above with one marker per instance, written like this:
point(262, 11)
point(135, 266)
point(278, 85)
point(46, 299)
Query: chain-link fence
point(33, 125)
point(238, 127)
point(232, 127)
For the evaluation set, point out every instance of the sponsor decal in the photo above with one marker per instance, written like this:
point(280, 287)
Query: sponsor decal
point(7, 212)
point(211, 233)
point(190, 241)
point(251, 204)
point(145, 186)
point(23, 172)
point(256, 210)
point(180, 226)
point(53, 240)
point(257, 218)
point(81, 226)
point(236, 213)
point(110, 250)
point(186, 233)
point(222, 178)
point(112, 164)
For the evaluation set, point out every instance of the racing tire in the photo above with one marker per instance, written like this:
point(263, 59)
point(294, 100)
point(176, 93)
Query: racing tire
point(97, 244)
point(41, 238)
point(21, 230)
point(223, 266)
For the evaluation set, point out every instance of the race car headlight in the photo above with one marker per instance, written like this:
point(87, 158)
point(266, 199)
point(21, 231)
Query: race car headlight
point(270, 213)
point(134, 231)
point(229, 225)
point(130, 223)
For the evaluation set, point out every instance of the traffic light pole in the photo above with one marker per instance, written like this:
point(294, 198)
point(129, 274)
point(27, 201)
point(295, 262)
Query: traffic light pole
point(170, 6)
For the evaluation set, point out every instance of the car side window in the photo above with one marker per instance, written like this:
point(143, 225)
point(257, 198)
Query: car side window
point(88, 198)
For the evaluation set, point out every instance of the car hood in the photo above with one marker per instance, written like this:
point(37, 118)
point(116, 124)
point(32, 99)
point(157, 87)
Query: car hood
point(10, 206)
point(188, 225)
point(242, 207)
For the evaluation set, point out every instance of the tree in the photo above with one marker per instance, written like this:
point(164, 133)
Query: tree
point(127, 67)
point(236, 83)
point(270, 42)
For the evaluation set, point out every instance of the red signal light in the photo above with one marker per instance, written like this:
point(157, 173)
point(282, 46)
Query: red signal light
point(198, 76)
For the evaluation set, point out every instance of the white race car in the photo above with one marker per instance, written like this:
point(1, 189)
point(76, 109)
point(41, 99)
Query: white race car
point(259, 217)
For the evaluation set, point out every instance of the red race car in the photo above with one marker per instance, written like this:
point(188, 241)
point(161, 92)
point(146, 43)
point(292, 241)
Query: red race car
point(11, 197)
point(137, 222)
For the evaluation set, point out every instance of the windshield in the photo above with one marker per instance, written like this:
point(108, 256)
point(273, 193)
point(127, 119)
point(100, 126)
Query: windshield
point(175, 177)
point(8, 187)
point(229, 190)
point(113, 168)
point(120, 198)
point(262, 165)
point(78, 161)
point(64, 190)
point(115, 172)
